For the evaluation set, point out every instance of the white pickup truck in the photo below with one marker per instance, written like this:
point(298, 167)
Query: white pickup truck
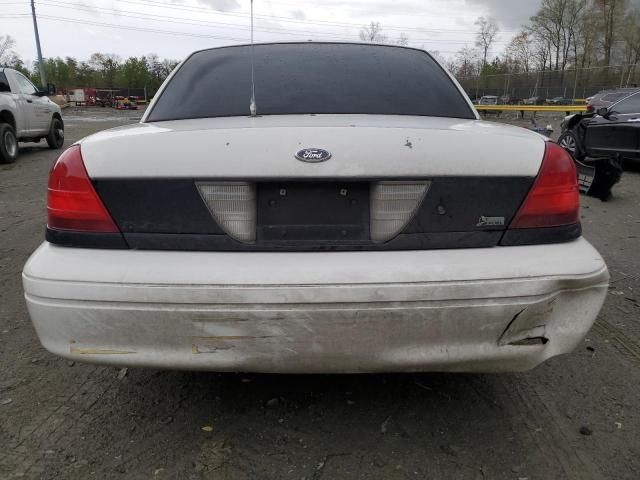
point(26, 115)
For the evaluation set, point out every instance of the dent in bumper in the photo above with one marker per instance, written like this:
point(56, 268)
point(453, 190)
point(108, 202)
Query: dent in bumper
point(483, 336)
point(446, 322)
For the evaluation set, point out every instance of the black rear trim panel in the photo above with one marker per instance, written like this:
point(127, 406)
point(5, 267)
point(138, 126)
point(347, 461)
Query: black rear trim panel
point(69, 238)
point(541, 236)
point(416, 241)
point(323, 215)
point(456, 203)
point(452, 204)
point(156, 206)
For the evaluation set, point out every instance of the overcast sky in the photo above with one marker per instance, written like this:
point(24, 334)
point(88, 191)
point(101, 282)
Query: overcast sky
point(174, 28)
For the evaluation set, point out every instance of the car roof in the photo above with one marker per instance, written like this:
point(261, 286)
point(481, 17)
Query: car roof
point(617, 90)
point(622, 99)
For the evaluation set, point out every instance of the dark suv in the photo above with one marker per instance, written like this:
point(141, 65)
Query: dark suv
point(609, 131)
point(606, 98)
point(599, 141)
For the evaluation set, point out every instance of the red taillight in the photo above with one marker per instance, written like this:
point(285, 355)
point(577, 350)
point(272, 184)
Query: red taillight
point(553, 200)
point(72, 202)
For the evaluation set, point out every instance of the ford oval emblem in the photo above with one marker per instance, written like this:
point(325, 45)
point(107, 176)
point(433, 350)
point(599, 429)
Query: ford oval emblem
point(313, 155)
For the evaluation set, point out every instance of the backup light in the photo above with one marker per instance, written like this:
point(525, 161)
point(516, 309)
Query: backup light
point(233, 207)
point(553, 199)
point(72, 202)
point(393, 205)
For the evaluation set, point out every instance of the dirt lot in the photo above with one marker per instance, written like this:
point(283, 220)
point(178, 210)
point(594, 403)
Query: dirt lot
point(577, 416)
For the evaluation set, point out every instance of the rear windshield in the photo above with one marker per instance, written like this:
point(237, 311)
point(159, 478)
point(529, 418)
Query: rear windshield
point(308, 78)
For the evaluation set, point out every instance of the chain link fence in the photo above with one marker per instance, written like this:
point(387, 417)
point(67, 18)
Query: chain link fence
point(572, 84)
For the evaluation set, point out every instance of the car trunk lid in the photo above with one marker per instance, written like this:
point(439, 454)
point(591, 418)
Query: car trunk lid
point(388, 182)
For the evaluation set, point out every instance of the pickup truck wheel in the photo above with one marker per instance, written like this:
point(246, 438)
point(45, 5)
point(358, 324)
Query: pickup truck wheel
point(55, 138)
point(8, 144)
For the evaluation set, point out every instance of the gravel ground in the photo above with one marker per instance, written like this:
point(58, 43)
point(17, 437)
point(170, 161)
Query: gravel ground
point(576, 416)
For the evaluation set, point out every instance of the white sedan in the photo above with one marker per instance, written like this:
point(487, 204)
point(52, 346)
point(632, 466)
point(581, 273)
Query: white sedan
point(361, 219)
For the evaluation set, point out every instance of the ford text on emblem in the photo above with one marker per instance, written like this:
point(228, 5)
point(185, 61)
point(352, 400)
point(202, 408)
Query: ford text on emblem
point(313, 155)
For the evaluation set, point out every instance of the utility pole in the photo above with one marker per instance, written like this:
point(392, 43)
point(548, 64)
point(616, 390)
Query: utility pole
point(43, 78)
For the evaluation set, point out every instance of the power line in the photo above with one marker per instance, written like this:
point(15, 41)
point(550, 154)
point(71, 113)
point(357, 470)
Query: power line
point(143, 29)
point(140, 29)
point(205, 23)
point(184, 21)
point(189, 8)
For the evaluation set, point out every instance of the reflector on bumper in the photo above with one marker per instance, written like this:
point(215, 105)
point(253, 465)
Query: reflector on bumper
point(233, 207)
point(393, 205)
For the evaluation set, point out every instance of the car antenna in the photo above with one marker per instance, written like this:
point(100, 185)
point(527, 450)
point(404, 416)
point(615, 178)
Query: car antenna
point(252, 105)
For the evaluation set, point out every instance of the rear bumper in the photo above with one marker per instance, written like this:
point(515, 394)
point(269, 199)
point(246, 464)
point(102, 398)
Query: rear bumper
point(483, 310)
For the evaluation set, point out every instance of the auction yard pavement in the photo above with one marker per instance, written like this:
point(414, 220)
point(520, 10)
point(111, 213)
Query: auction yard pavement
point(576, 416)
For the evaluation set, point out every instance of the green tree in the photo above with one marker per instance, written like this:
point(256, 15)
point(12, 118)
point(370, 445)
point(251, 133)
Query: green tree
point(159, 70)
point(85, 75)
point(106, 66)
point(133, 73)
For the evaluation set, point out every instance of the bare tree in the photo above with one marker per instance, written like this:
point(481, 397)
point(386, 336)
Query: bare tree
point(467, 62)
point(571, 30)
point(486, 35)
point(6, 44)
point(548, 25)
point(521, 50)
point(437, 55)
point(373, 33)
point(403, 40)
point(587, 36)
point(631, 49)
point(567, 46)
point(542, 55)
point(611, 10)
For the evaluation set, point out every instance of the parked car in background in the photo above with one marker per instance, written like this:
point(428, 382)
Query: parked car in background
point(26, 115)
point(559, 101)
point(606, 98)
point(504, 100)
point(489, 100)
point(533, 101)
point(370, 223)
